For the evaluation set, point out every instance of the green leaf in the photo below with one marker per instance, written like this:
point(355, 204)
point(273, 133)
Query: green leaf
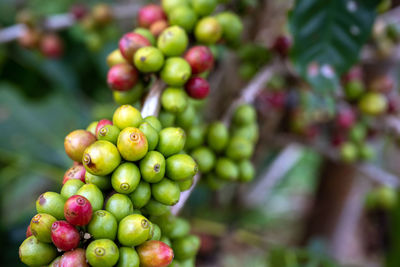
point(328, 36)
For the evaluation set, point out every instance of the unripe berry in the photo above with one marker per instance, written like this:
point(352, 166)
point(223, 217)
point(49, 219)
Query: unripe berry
point(64, 235)
point(101, 124)
point(155, 253)
point(158, 27)
point(76, 142)
point(130, 43)
point(122, 77)
point(75, 172)
point(32, 252)
point(78, 210)
point(208, 30)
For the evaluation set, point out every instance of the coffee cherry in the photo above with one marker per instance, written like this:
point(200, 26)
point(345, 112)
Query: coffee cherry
point(373, 104)
point(172, 41)
point(214, 182)
point(166, 240)
point(146, 34)
point(29, 39)
point(32, 252)
point(152, 167)
point(226, 169)
point(187, 118)
point(354, 89)
point(129, 97)
point(348, 152)
point(204, 7)
point(180, 167)
point(244, 115)
point(103, 225)
point(41, 227)
point(184, 17)
point(55, 262)
point(78, 210)
point(125, 178)
point(122, 77)
point(200, 59)
point(185, 184)
point(28, 231)
point(158, 27)
point(197, 88)
point(154, 122)
point(282, 45)
point(64, 235)
point(208, 30)
point(195, 137)
point(249, 132)
point(51, 203)
point(366, 152)
point(166, 192)
point(383, 84)
point(133, 230)
point(51, 46)
point(109, 133)
point(130, 43)
point(127, 116)
point(155, 253)
point(119, 205)
point(101, 158)
point(101, 124)
point(92, 127)
point(79, 11)
point(132, 144)
point(141, 196)
point(150, 133)
point(149, 59)
point(149, 14)
point(167, 119)
point(102, 252)
point(128, 257)
point(102, 14)
point(75, 172)
point(70, 188)
point(92, 193)
point(239, 148)
point(76, 142)
point(171, 141)
point(174, 100)
point(246, 171)
point(205, 158)
point(217, 136)
point(155, 208)
point(170, 5)
point(102, 182)
point(76, 257)
point(232, 26)
point(186, 247)
point(345, 118)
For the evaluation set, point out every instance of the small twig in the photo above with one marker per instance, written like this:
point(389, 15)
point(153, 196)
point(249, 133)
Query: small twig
point(151, 106)
point(185, 196)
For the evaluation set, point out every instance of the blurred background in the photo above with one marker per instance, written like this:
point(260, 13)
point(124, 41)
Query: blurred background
point(305, 207)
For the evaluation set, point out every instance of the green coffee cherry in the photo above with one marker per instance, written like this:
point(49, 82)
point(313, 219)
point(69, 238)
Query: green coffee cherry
point(166, 192)
point(205, 159)
point(239, 148)
point(133, 230)
point(129, 97)
point(167, 119)
point(92, 127)
point(173, 41)
point(366, 152)
point(213, 181)
point(101, 158)
point(187, 118)
point(170, 5)
point(171, 141)
point(152, 167)
point(147, 34)
point(208, 30)
point(70, 188)
point(41, 226)
point(141, 196)
point(132, 144)
point(191, 262)
point(232, 26)
point(186, 247)
point(155, 208)
point(125, 178)
point(127, 116)
point(179, 228)
point(217, 136)
point(174, 100)
point(358, 133)
point(226, 169)
point(119, 205)
point(154, 122)
point(248, 132)
point(51, 203)
point(103, 225)
point(180, 167)
point(102, 182)
point(32, 252)
point(108, 133)
point(155, 232)
point(204, 7)
point(373, 103)
point(151, 135)
point(354, 89)
point(195, 136)
point(176, 71)
point(348, 152)
point(244, 115)
point(184, 17)
point(93, 194)
point(148, 59)
point(185, 184)
point(246, 171)
point(128, 257)
point(55, 262)
point(114, 58)
point(102, 253)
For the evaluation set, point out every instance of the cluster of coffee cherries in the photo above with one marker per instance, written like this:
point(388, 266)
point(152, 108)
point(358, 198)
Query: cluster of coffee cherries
point(123, 170)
